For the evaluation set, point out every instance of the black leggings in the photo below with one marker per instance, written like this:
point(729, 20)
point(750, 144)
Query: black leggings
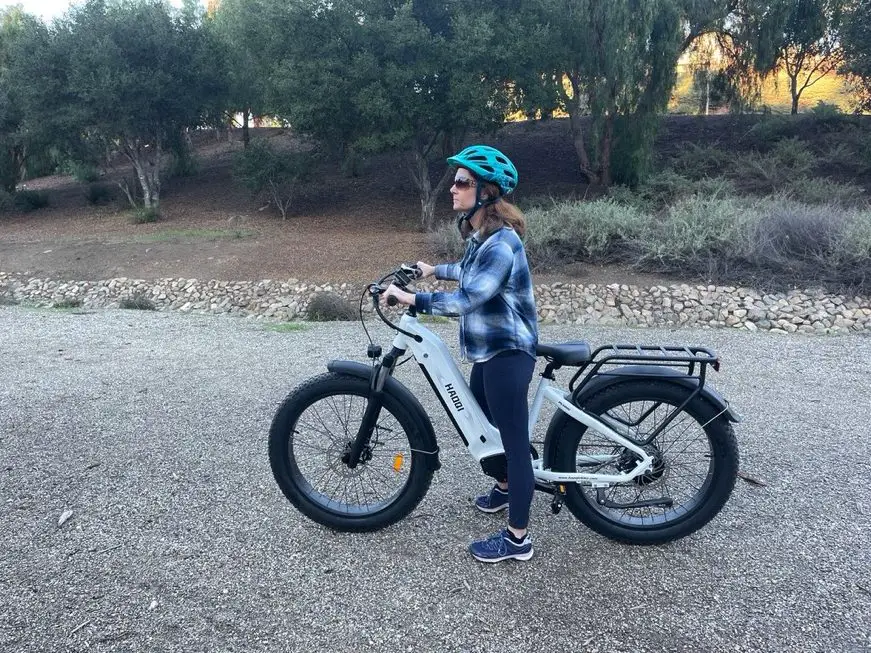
point(500, 386)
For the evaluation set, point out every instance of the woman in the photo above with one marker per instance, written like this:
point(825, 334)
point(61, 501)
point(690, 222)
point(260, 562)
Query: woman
point(498, 330)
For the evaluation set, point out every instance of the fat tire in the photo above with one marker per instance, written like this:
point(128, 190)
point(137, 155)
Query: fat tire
point(724, 449)
point(333, 384)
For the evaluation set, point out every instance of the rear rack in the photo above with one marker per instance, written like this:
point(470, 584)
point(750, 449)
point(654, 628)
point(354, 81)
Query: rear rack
point(692, 359)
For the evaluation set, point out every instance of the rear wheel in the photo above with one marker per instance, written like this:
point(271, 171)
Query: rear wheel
point(695, 463)
point(309, 442)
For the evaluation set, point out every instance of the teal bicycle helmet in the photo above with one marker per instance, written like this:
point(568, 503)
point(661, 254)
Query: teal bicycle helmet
point(489, 164)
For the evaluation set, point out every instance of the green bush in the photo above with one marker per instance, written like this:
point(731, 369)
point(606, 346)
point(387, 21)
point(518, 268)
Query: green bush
point(446, 243)
point(84, 173)
point(29, 200)
point(759, 173)
point(144, 215)
point(68, 302)
point(183, 164)
point(820, 190)
point(275, 174)
point(824, 118)
point(841, 155)
point(772, 241)
point(602, 230)
point(138, 302)
point(855, 246)
point(99, 193)
point(695, 234)
point(330, 307)
point(7, 202)
point(794, 156)
point(667, 187)
point(698, 161)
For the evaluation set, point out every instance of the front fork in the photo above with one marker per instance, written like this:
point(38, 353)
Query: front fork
point(380, 373)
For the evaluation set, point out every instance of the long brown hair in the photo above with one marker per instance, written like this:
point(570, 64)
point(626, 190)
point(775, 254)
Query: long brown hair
point(500, 213)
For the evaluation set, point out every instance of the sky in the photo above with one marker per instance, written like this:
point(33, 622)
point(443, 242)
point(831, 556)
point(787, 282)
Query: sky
point(48, 9)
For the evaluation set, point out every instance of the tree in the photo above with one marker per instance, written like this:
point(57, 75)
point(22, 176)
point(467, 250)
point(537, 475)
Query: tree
point(429, 76)
point(800, 37)
point(241, 25)
point(371, 75)
point(19, 33)
point(857, 50)
point(615, 61)
point(125, 76)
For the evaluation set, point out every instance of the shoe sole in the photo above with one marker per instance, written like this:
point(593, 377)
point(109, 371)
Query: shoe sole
point(490, 511)
point(510, 556)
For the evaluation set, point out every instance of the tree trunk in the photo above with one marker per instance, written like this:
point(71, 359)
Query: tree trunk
point(146, 163)
point(605, 151)
point(428, 195)
point(573, 106)
point(707, 93)
point(793, 90)
point(246, 136)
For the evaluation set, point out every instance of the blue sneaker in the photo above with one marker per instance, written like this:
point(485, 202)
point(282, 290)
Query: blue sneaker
point(496, 501)
point(500, 546)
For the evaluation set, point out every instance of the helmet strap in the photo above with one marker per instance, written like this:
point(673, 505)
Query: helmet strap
point(464, 220)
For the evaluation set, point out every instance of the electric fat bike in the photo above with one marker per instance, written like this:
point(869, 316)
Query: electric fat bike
point(640, 447)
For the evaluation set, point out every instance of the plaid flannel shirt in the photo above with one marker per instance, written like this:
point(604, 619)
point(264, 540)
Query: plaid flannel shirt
point(494, 299)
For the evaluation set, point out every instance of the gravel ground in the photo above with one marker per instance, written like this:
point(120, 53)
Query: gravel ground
point(151, 429)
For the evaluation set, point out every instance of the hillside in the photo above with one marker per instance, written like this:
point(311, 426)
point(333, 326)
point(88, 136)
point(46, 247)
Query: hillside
point(342, 229)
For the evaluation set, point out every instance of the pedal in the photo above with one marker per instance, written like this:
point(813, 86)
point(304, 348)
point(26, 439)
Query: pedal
point(559, 493)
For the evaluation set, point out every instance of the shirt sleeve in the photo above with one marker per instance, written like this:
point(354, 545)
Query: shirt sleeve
point(448, 272)
point(494, 268)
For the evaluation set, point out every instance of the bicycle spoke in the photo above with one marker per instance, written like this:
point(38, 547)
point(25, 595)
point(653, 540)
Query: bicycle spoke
point(321, 436)
point(682, 459)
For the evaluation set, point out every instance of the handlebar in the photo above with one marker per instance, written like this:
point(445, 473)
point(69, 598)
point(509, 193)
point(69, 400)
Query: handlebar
point(401, 277)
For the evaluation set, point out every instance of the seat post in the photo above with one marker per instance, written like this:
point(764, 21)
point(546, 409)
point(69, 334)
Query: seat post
point(549, 370)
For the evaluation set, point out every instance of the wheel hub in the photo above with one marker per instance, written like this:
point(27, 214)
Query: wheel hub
point(365, 455)
point(628, 460)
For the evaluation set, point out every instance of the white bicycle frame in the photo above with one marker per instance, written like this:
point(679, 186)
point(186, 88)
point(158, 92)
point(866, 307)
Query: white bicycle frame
point(482, 438)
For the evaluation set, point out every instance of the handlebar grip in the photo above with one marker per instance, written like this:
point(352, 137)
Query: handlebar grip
point(392, 301)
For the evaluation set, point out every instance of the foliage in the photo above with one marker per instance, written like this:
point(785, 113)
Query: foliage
point(138, 302)
point(330, 307)
point(29, 200)
point(388, 71)
point(601, 230)
point(67, 303)
point(14, 140)
point(246, 32)
point(99, 193)
point(144, 215)
point(823, 191)
point(616, 61)
point(696, 161)
point(445, 242)
point(7, 203)
point(857, 51)
point(800, 37)
point(264, 170)
point(130, 75)
point(766, 241)
point(82, 171)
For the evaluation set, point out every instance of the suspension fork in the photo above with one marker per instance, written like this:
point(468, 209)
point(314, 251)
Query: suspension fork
point(374, 404)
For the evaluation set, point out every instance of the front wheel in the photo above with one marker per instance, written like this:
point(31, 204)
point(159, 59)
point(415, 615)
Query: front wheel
point(309, 443)
point(695, 463)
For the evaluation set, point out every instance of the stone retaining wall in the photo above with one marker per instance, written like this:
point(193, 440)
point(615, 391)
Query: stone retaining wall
point(809, 311)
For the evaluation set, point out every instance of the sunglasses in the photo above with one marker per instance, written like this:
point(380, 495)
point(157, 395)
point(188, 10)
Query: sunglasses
point(464, 183)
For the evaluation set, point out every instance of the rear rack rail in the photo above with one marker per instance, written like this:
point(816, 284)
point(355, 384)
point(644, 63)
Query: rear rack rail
point(692, 359)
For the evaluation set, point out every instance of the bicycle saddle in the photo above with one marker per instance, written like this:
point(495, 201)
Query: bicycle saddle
point(565, 353)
